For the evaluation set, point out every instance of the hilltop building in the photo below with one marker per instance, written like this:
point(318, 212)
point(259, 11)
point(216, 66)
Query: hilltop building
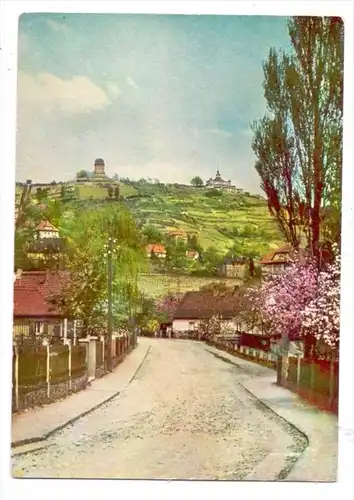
point(99, 170)
point(219, 183)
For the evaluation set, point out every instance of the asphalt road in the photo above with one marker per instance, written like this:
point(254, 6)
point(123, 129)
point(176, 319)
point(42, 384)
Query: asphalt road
point(184, 416)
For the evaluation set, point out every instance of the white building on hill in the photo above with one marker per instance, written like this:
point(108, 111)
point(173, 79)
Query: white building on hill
point(219, 183)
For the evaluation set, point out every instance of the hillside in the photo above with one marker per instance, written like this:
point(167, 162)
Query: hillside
point(236, 219)
point(232, 219)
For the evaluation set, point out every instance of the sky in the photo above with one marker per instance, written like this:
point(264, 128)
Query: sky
point(160, 96)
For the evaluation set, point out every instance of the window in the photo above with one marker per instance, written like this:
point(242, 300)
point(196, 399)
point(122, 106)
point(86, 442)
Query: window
point(37, 327)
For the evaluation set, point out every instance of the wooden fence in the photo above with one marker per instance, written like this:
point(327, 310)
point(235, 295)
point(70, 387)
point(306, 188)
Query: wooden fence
point(43, 372)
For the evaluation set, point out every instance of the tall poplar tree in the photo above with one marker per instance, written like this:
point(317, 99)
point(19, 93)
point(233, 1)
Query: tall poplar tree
point(298, 143)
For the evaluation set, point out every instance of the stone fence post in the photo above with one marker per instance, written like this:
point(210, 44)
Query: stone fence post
point(47, 345)
point(90, 356)
point(68, 343)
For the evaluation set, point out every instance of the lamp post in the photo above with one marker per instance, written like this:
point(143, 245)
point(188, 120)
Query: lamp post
point(109, 252)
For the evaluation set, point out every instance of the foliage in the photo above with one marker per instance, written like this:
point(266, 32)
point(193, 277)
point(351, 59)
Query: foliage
point(299, 146)
point(166, 306)
point(321, 317)
point(197, 181)
point(213, 193)
point(82, 174)
point(85, 296)
point(300, 301)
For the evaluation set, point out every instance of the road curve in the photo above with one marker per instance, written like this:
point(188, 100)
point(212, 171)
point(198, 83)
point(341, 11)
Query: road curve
point(184, 416)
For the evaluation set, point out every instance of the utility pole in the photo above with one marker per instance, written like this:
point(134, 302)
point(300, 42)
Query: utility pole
point(109, 325)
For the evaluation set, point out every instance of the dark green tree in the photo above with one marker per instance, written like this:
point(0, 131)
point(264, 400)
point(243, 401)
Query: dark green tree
point(197, 181)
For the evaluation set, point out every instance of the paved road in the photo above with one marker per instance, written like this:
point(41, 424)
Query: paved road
point(184, 416)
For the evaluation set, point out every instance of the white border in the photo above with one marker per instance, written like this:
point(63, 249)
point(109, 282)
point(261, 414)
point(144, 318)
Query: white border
point(10, 488)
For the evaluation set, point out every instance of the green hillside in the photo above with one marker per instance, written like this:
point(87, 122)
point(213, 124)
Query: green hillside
point(221, 221)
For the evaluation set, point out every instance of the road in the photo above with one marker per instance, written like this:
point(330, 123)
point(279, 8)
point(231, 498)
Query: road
point(184, 416)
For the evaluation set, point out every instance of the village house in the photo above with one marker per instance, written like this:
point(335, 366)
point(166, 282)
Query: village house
point(202, 305)
point(33, 312)
point(46, 242)
point(276, 261)
point(219, 183)
point(156, 250)
point(234, 267)
point(178, 234)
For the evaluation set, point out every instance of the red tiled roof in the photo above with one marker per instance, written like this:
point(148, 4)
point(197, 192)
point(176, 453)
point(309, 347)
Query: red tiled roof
point(45, 225)
point(155, 248)
point(32, 292)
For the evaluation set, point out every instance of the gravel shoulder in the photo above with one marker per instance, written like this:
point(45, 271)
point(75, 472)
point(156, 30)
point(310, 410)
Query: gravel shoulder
point(184, 416)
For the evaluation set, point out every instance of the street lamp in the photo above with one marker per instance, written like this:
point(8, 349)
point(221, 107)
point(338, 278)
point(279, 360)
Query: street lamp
point(110, 250)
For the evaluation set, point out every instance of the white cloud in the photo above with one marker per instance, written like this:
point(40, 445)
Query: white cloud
point(47, 93)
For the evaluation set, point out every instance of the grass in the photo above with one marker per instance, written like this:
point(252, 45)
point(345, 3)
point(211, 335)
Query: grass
point(158, 285)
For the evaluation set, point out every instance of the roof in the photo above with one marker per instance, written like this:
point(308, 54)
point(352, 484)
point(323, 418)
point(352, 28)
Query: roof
point(45, 225)
point(99, 161)
point(204, 305)
point(32, 292)
point(279, 256)
point(155, 248)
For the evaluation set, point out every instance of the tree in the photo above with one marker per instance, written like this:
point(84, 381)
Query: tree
point(211, 259)
point(166, 306)
point(82, 174)
point(321, 317)
point(152, 234)
point(85, 295)
point(197, 181)
point(298, 142)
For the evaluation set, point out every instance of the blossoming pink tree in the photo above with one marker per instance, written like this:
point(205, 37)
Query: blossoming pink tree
point(301, 301)
point(321, 317)
point(166, 306)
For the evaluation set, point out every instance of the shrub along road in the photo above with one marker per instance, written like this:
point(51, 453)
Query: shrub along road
point(184, 416)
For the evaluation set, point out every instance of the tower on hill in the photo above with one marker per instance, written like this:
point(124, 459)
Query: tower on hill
point(99, 170)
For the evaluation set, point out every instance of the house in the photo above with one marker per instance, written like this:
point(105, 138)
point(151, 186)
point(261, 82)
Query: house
point(277, 261)
point(234, 267)
point(32, 310)
point(192, 254)
point(178, 234)
point(157, 250)
point(219, 183)
point(46, 242)
point(202, 305)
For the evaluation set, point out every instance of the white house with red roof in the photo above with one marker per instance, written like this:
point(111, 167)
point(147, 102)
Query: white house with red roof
point(45, 229)
point(157, 250)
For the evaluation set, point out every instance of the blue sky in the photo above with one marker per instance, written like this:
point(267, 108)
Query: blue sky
point(166, 97)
